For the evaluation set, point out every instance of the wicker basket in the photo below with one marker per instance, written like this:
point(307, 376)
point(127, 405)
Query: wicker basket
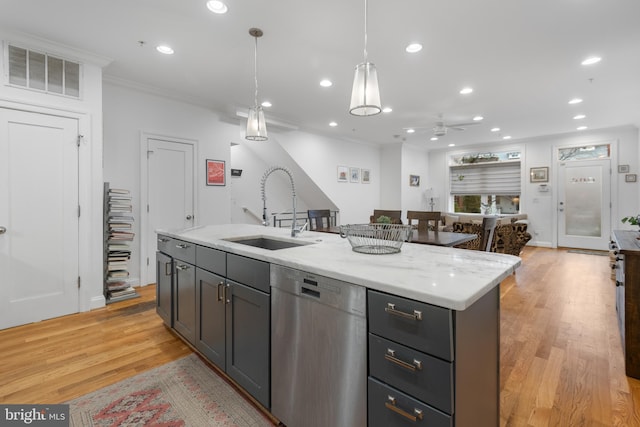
point(376, 239)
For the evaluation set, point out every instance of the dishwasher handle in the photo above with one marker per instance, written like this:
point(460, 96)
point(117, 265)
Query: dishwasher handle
point(309, 292)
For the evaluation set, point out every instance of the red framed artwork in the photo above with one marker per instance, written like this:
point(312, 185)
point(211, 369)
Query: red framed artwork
point(215, 172)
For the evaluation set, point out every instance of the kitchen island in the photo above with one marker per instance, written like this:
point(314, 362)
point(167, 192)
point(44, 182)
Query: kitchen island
point(429, 339)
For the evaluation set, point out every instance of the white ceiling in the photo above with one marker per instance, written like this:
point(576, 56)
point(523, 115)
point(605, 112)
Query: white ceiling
point(521, 57)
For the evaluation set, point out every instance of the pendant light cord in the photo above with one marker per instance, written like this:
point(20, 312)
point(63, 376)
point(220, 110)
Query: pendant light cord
point(365, 30)
point(255, 70)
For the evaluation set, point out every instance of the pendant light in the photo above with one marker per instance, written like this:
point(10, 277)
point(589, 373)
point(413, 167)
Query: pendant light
point(256, 126)
point(365, 96)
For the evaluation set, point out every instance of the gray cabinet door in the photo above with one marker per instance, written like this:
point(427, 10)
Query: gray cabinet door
point(163, 288)
point(210, 316)
point(184, 302)
point(248, 355)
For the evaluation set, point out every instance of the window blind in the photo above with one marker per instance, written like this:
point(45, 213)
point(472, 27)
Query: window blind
point(501, 179)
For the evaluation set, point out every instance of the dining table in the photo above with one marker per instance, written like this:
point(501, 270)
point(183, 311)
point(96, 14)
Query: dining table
point(425, 237)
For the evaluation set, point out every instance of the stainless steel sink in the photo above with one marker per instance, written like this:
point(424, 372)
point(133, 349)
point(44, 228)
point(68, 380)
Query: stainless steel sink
point(267, 243)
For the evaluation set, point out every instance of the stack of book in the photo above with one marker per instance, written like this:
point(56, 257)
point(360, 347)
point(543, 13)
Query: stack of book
point(119, 234)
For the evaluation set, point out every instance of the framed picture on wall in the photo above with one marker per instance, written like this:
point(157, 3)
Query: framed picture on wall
point(366, 176)
point(414, 180)
point(343, 174)
point(354, 174)
point(215, 172)
point(539, 174)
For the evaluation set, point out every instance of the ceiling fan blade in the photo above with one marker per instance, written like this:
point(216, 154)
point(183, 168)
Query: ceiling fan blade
point(461, 125)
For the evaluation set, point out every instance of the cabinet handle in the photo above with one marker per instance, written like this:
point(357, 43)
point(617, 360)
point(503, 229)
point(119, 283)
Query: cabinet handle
point(226, 296)
point(182, 267)
point(220, 294)
point(391, 309)
point(182, 246)
point(167, 269)
point(391, 357)
point(391, 404)
point(162, 240)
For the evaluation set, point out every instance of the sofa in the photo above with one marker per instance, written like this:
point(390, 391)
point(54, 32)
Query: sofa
point(510, 235)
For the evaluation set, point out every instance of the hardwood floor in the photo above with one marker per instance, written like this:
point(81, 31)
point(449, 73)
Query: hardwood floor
point(561, 357)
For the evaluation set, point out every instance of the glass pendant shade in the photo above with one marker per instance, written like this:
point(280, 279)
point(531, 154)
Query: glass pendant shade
point(365, 95)
point(256, 126)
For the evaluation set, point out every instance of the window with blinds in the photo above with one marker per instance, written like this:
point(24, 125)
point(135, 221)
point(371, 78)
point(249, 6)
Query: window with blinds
point(500, 178)
point(43, 72)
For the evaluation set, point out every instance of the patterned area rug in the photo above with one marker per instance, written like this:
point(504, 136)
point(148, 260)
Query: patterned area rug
point(185, 392)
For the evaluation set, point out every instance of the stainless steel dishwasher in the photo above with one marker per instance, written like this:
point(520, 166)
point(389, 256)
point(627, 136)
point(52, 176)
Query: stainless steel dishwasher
point(318, 350)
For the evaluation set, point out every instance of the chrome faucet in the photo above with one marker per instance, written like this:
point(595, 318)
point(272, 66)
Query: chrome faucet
point(265, 221)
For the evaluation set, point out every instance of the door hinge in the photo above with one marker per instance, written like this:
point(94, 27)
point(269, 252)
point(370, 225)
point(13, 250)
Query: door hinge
point(147, 208)
point(147, 260)
point(78, 211)
point(149, 152)
point(79, 140)
point(78, 282)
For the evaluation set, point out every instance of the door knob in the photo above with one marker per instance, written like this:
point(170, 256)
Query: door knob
point(3, 229)
point(189, 217)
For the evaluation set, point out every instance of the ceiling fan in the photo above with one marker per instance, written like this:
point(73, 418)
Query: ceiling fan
point(441, 127)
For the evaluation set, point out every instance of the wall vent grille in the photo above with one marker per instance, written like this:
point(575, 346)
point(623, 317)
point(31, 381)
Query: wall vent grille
point(43, 72)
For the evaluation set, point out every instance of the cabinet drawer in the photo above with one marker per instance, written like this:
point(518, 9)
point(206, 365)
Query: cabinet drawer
point(249, 271)
point(184, 251)
point(388, 407)
point(415, 324)
point(211, 260)
point(164, 244)
point(422, 376)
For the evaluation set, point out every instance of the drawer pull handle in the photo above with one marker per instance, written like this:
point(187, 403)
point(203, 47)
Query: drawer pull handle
point(391, 357)
point(167, 269)
point(220, 294)
point(162, 240)
point(182, 267)
point(391, 309)
point(182, 246)
point(391, 404)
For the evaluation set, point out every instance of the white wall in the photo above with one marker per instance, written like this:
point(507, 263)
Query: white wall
point(88, 111)
point(391, 176)
point(127, 114)
point(414, 162)
point(541, 207)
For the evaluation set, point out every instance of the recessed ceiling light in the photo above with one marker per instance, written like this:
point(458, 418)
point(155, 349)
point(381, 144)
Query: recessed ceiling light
point(434, 138)
point(592, 60)
point(165, 49)
point(581, 128)
point(266, 104)
point(216, 6)
point(579, 117)
point(413, 48)
point(411, 130)
point(495, 129)
point(466, 91)
point(387, 109)
point(478, 118)
point(326, 83)
point(452, 145)
point(333, 124)
point(575, 101)
point(506, 137)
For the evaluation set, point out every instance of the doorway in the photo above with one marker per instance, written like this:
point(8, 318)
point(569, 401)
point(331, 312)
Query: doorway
point(169, 178)
point(584, 204)
point(39, 217)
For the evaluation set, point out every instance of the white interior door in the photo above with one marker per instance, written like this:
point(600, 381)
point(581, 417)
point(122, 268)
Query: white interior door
point(584, 204)
point(170, 192)
point(38, 216)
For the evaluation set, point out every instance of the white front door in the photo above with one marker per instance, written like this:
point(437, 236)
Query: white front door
point(170, 192)
point(38, 216)
point(584, 208)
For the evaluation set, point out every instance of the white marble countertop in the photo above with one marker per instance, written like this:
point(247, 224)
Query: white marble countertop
point(447, 277)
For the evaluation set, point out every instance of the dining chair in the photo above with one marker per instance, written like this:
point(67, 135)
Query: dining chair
point(394, 215)
point(317, 218)
point(488, 229)
point(424, 219)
